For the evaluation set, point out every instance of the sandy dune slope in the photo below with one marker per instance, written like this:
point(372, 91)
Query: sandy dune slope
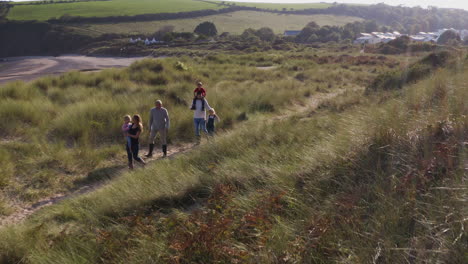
point(30, 68)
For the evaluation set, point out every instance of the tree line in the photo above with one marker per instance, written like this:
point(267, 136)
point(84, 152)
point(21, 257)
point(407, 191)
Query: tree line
point(314, 33)
point(311, 33)
point(409, 20)
point(398, 18)
point(68, 19)
point(52, 39)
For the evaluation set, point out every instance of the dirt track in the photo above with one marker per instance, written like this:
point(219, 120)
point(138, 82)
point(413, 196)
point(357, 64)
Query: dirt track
point(23, 213)
point(30, 68)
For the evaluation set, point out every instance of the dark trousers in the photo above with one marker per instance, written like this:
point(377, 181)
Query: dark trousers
point(132, 153)
point(210, 129)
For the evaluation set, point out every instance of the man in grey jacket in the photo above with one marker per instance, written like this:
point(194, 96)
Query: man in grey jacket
point(158, 123)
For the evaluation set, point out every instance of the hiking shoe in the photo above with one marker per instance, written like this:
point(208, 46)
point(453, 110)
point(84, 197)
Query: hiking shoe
point(164, 150)
point(150, 151)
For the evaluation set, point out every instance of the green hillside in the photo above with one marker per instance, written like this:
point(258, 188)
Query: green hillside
point(280, 6)
point(106, 8)
point(307, 167)
point(235, 22)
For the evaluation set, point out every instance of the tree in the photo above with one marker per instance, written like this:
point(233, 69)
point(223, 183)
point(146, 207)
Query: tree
point(448, 36)
point(207, 29)
point(163, 31)
point(310, 29)
point(312, 38)
point(313, 25)
point(305, 34)
point(371, 26)
point(249, 35)
point(348, 34)
point(168, 37)
point(334, 36)
point(224, 35)
point(265, 34)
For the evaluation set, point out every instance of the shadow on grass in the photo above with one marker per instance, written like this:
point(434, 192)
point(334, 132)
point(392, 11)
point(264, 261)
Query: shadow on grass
point(100, 175)
point(189, 200)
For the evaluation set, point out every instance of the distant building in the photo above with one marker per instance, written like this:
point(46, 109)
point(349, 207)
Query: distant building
point(380, 37)
point(367, 38)
point(154, 41)
point(146, 41)
point(463, 34)
point(288, 33)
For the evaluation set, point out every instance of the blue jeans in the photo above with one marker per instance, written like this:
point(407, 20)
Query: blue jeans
point(129, 142)
point(132, 152)
point(199, 125)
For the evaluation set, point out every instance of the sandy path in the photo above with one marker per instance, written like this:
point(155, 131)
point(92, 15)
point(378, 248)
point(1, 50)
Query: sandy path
point(24, 212)
point(311, 104)
point(314, 102)
point(30, 68)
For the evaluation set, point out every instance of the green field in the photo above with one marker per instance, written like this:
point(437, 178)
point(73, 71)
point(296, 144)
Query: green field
point(235, 22)
point(106, 8)
point(280, 6)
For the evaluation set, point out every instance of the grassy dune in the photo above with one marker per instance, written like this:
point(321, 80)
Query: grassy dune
point(65, 129)
point(362, 178)
point(235, 22)
point(106, 8)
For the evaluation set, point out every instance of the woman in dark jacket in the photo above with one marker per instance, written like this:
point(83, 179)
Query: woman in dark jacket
point(134, 133)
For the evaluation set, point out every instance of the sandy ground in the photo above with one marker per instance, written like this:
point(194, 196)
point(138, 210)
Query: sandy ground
point(27, 210)
point(30, 68)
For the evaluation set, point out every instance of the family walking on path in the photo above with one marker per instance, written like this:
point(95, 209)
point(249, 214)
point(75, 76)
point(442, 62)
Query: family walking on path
point(159, 123)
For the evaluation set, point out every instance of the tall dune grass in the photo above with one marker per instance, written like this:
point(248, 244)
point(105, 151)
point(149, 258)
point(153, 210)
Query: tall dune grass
point(383, 181)
point(57, 116)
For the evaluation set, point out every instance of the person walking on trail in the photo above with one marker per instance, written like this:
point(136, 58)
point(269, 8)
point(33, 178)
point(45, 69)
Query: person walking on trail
point(199, 115)
point(134, 133)
point(159, 123)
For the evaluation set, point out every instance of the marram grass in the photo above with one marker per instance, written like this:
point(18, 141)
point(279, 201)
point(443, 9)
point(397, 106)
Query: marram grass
point(65, 127)
point(381, 181)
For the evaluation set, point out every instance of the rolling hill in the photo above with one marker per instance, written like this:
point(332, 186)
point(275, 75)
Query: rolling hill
point(235, 22)
point(106, 8)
